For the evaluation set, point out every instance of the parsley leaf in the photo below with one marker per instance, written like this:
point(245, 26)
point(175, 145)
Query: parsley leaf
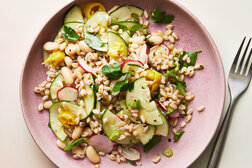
point(192, 55)
point(95, 42)
point(136, 105)
point(74, 143)
point(112, 71)
point(70, 34)
point(135, 17)
point(132, 162)
point(180, 85)
point(178, 135)
point(123, 85)
point(155, 140)
point(160, 17)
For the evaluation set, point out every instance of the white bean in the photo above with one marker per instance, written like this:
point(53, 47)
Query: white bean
point(156, 40)
point(67, 75)
point(77, 132)
point(77, 71)
point(84, 47)
point(92, 155)
point(70, 49)
point(60, 144)
point(68, 62)
point(51, 46)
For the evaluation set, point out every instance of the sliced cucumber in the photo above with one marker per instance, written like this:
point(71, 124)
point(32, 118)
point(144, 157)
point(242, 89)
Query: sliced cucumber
point(117, 47)
point(125, 111)
point(74, 15)
point(124, 13)
point(90, 101)
point(54, 123)
point(126, 36)
point(162, 129)
point(147, 136)
point(114, 124)
point(55, 86)
point(131, 68)
point(98, 18)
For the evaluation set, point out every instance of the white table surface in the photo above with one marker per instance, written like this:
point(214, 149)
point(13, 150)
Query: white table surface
point(228, 21)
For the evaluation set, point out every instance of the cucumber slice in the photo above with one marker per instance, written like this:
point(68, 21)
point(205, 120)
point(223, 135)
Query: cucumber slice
point(117, 47)
point(124, 111)
point(55, 124)
point(74, 15)
point(125, 13)
point(90, 101)
point(162, 129)
point(125, 35)
point(98, 18)
point(147, 136)
point(55, 86)
point(114, 124)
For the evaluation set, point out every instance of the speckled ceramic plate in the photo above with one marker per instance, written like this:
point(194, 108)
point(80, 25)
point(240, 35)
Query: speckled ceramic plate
point(208, 85)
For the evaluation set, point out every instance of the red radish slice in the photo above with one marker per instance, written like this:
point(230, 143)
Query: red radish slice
point(143, 54)
point(130, 153)
point(163, 108)
point(69, 93)
point(82, 63)
point(174, 115)
point(101, 143)
point(118, 117)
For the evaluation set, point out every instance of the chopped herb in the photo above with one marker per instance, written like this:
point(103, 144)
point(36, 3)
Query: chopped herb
point(49, 125)
point(181, 85)
point(69, 34)
point(95, 42)
point(136, 105)
point(192, 55)
point(133, 29)
point(132, 162)
point(114, 135)
point(135, 17)
point(144, 29)
point(74, 143)
point(112, 71)
point(155, 140)
point(178, 135)
point(167, 152)
point(123, 85)
point(160, 17)
point(96, 87)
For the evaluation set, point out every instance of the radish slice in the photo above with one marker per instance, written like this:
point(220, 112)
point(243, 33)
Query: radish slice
point(174, 115)
point(82, 63)
point(130, 153)
point(118, 117)
point(69, 93)
point(143, 54)
point(163, 108)
point(101, 143)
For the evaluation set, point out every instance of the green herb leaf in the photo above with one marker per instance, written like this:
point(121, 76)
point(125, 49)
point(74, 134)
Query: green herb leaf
point(135, 17)
point(178, 135)
point(95, 42)
point(114, 135)
point(160, 17)
point(123, 85)
point(112, 71)
point(155, 140)
point(180, 85)
point(69, 34)
point(132, 162)
point(192, 55)
point(74, 143)
point(136, 105)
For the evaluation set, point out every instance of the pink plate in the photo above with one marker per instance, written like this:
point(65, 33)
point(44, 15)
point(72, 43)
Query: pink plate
point(208, 85)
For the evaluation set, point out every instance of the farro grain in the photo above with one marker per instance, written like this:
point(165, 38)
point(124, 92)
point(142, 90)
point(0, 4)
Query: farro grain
point(188, 118)
point(183, 124)
point(156, 159)
point(201, 108)
point(40, 107)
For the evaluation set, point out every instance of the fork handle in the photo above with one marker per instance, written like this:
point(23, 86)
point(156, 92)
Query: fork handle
point(222, 134)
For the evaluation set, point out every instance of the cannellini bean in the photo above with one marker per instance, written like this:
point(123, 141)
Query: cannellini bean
point(60, 144)
point(84, 47)
point(68, 62)
point(51, 46)
point(92, 155)
point(70, 49)
point(67, 75)
point(77, 132)
point(78, 150)
point(156, 40)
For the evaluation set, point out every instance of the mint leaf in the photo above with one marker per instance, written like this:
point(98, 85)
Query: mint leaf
point(69, 34)
point(74, 143)
point(112, 71)
point(155, 140)
point(178, 135)
point(132, 162)
point(180, 85)
point(95, 42)
point(192, 55)
point(136, 105)
point(160, 17)
point(123, 85)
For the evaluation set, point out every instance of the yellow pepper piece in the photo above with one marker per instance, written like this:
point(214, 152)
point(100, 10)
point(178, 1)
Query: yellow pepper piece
point(116, 50)
point(55, 58)
point(154, 76)
point(67, 118)
point(92, 7)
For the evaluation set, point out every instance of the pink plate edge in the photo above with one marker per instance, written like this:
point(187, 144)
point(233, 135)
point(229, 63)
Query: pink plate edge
point(220, 65)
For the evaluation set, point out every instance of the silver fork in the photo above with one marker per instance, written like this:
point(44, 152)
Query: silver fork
point(238, 81)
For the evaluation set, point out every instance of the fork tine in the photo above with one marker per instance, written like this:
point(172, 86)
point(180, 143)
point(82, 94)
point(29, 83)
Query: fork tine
point(247, 66)
point(237, 55)
point(243, 56)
